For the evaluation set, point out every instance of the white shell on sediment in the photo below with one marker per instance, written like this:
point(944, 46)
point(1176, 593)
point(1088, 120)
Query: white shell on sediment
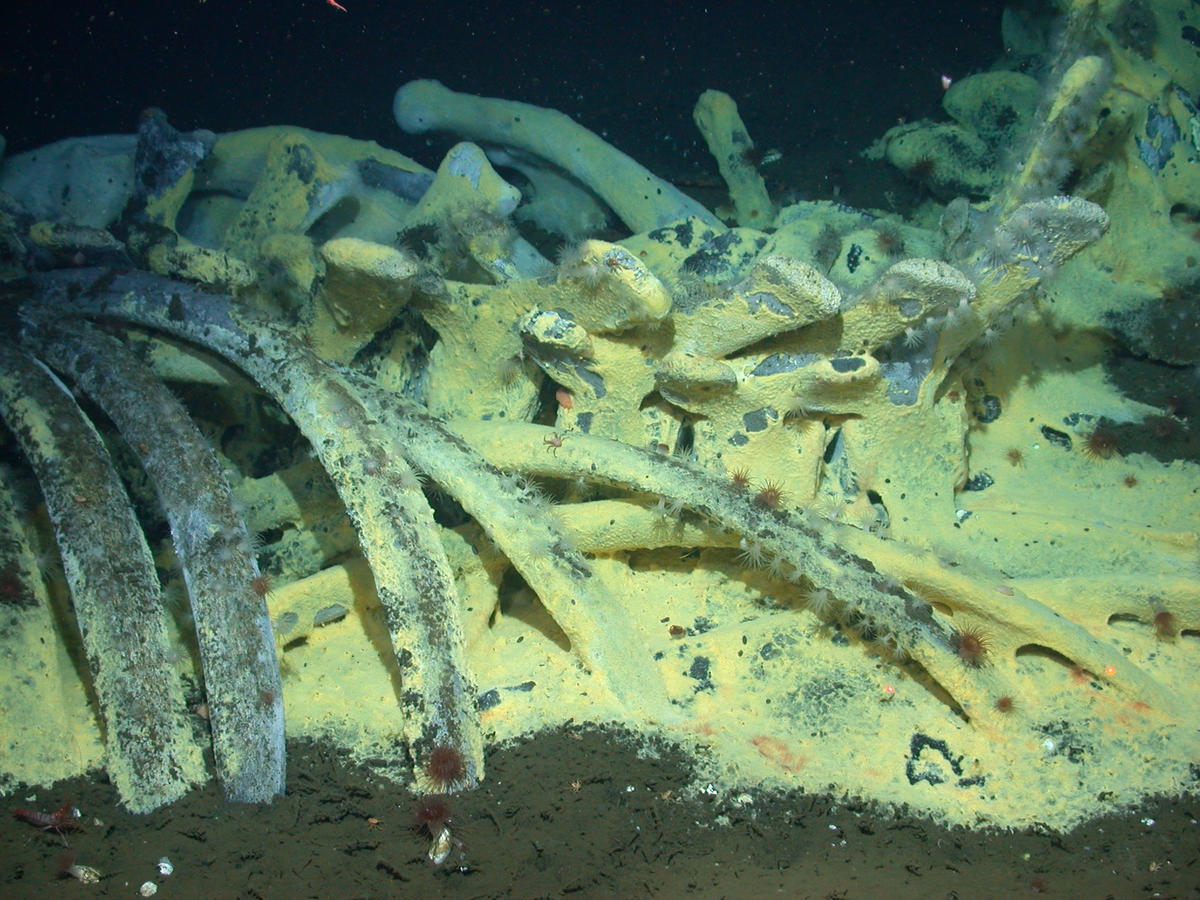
point(441, 847)
point(84, 874)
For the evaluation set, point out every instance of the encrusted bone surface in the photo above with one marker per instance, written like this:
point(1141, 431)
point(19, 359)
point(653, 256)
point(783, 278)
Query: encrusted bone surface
point(734, 485)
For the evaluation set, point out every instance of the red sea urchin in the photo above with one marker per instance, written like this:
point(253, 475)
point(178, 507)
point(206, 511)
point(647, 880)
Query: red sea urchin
point(752, 156)
point(740, 478)
point(889, 241)
point(1166, 626)
point(1100, 443)
point(445, 767)
point(431, 812)
point(922, 169)
point(260, 585)
point(972, 645)
point(770, 495)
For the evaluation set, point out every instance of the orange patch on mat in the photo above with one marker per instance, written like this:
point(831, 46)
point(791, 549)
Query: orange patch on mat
point(777, 752)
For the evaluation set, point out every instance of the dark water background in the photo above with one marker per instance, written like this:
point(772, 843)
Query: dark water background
point(805, 74)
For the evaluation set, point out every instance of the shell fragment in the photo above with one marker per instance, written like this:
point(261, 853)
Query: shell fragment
point(440, 849)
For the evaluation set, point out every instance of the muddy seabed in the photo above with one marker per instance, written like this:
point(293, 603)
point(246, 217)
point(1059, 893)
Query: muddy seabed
point(586, 813)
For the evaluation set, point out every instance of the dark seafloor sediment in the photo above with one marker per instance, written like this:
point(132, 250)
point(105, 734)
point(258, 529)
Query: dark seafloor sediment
point(583, 813)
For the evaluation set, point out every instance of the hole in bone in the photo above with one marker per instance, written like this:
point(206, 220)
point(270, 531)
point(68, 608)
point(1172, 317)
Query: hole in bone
point(1038, 659)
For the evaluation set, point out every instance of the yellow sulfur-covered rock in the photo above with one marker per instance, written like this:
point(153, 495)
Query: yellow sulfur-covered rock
point(365, 285)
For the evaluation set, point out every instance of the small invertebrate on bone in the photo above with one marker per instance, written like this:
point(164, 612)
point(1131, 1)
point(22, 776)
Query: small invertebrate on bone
point(770, 495)
point(1100, 443)
point(1165, 625)
point(972, 645)
point(445, 767)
